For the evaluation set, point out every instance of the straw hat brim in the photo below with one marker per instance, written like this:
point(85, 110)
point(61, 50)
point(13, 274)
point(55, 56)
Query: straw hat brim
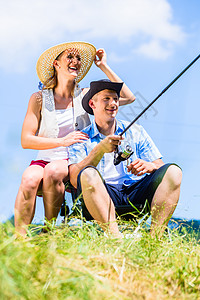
point(44, 66)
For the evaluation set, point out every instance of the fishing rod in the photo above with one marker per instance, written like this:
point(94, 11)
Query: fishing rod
point(127, 152)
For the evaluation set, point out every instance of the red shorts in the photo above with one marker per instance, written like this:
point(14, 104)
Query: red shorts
point(41, 163)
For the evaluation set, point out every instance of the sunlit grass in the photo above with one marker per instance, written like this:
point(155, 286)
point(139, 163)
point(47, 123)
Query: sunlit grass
point(79, 262)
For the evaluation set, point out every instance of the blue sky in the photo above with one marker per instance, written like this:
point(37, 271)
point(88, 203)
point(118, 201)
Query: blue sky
point(148, 43)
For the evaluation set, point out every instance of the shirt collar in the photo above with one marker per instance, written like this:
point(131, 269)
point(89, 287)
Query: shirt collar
point(119, 127)
point(94, 130)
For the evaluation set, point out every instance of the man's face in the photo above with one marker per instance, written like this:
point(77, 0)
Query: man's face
point(105, 105)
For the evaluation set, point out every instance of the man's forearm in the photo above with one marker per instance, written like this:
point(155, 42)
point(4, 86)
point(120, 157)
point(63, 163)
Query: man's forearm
point(158, 163)
point(92, 159)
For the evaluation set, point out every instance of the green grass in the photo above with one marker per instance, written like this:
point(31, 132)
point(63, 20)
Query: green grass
point(81, 263)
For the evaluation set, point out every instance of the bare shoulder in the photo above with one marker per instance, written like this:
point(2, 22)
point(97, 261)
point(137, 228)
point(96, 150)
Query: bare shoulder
point(35, 102)
point(36, 98)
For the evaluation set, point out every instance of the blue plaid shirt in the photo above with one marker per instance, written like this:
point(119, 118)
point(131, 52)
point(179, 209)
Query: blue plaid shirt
point(141, 143)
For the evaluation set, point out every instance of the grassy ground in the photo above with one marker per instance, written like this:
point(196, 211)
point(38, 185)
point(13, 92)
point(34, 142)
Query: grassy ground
point(79, 262)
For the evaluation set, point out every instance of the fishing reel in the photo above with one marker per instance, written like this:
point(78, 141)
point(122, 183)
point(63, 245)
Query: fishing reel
point(122, 155)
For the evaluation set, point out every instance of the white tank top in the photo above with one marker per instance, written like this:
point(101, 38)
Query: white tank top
point(65, 120)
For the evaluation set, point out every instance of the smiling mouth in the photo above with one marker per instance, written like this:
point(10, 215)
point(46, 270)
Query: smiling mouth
point(111, 110)
point(75, 69)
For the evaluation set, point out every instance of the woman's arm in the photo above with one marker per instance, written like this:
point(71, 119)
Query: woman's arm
point(30, 140)
point(126, 96)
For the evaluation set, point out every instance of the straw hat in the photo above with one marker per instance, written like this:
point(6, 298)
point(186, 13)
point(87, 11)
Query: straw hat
point(44, 66)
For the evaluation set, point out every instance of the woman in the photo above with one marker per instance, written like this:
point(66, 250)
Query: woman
point(53, 121)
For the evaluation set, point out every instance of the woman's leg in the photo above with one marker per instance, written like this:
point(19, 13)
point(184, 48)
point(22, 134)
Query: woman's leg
point(55, 174)
point(26, 197)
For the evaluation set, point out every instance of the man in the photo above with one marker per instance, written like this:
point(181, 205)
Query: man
point(144, 177)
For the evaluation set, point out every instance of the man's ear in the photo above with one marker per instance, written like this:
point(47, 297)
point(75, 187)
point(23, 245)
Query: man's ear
point(91, 103)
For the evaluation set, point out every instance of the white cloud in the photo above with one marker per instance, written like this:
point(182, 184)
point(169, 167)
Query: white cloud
point(28, 27)
point(155, 50)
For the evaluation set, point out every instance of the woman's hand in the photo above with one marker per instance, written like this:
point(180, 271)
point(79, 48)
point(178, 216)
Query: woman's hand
point(74, 137)
point(100, 58)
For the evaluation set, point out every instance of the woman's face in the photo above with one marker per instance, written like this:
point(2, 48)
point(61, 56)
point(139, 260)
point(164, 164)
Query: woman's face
point(69, 62)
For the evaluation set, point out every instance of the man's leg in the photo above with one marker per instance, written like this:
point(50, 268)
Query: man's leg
point(165, 200)
point(98, 201)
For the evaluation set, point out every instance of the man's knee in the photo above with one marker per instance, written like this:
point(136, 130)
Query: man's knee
point(90, 176)
point(174, 176)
